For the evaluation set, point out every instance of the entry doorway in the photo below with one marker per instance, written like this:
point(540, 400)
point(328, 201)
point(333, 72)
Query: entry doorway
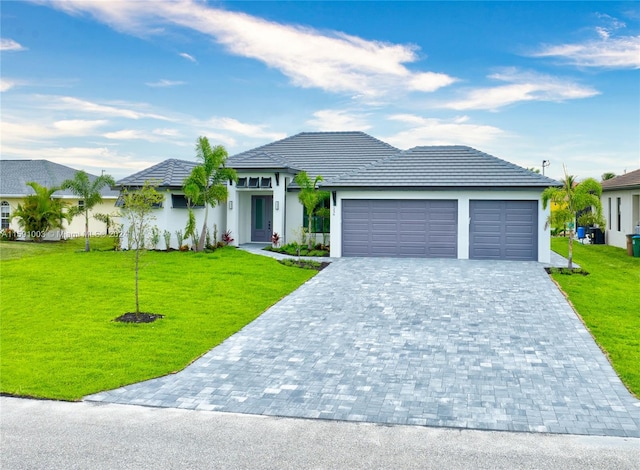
point(261, 218)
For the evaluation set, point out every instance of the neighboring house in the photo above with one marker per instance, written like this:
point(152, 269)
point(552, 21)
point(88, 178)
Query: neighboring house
point(14, 176)
point(445, 201)
point(621, 206)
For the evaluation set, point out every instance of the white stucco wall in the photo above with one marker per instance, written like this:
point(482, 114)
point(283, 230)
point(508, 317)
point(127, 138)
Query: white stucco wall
point(629, 215)
point(463, 198)
point(172, 219)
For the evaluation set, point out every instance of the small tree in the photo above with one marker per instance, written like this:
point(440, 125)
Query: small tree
point(572, 198)
point(310, 197)
point(206, 183)
point(40, 212)
point(108, 219)
point(89, 192)
point(138, 211)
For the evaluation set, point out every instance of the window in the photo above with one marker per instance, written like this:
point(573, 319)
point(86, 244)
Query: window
point(619, 203)
point(242, 183)
point(180, 201)
point(5, 213)
point(254, 182)
point(265, 182)
point(609, 216)
point(321, 221)
point(81, 204)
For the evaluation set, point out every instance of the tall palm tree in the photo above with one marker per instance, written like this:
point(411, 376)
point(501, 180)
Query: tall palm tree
point(309, 197)
point(571, 198)
point(40, 212)
point(89, 192)
point(206, 183)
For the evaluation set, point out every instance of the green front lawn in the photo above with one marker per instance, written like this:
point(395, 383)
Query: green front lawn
point(608, 300)
point(57, 337)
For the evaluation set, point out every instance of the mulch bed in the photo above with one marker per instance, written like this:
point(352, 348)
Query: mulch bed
point(566, 271)
point(142, 317)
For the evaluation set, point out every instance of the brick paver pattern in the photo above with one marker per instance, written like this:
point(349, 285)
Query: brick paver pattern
point(458, 343)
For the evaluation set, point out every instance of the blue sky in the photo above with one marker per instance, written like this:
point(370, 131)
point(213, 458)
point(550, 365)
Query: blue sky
point(119, 86)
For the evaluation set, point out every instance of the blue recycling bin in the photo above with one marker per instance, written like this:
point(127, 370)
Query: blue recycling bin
point(581, 233)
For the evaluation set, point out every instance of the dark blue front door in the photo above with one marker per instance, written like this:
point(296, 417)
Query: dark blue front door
point(261, 218)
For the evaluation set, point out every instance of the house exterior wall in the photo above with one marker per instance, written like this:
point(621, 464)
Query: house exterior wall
point(462, 196)
point(72, 229)
point(173, 219)
point(629, 215)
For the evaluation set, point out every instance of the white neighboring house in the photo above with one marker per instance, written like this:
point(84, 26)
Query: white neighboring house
point(14, 176)
point(621, 205)
point(444, 201)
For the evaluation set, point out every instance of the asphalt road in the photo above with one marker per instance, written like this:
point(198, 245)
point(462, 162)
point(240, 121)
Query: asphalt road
point(47, 434)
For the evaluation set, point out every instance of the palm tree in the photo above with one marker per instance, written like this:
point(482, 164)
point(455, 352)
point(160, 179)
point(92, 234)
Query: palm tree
point(206, 183)
point(40, 212)
point(309, 197)
point(608, 175)
point(89, 192)
point(571, 198)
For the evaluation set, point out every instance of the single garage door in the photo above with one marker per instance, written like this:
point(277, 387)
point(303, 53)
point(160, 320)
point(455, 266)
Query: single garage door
point(503, 230)
point(400, 228)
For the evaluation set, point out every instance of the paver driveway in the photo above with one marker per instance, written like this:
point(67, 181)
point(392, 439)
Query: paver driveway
point(469, 344)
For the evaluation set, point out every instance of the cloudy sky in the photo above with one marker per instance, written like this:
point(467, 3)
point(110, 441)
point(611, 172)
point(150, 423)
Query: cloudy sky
point(119, 86)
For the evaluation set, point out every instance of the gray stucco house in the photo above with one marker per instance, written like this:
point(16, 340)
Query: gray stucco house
point(621, 205)
point(444, 201)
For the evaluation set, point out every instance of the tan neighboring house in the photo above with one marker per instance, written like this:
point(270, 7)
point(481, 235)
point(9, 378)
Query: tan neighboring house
point(14, 176)
point(621, 205)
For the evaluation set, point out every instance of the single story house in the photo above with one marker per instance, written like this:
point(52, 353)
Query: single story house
point(621, 205)
point(443, 201)
point(15, 174)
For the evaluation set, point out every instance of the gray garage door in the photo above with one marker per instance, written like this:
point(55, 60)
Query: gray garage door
point(400, 228)
point(503, 230)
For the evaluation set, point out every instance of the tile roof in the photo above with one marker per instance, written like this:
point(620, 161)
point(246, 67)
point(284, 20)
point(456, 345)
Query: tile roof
point(628, 180)
point(167, 174)
point(15, 174)
point(329, 154)
point(438, 167)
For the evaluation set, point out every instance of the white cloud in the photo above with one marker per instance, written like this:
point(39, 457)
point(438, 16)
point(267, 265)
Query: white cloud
point(608, 50)
point(432, 131)
point(69, 103)
point(188, 57)
point(618, 53)
point(250, 130)
point(522, 86)
point(156, 135)
point(6, 85)
point(15, 130)
point(91, 159)
point(332, 61)
point(165, 83)
point(338, 120)
point(10, 45)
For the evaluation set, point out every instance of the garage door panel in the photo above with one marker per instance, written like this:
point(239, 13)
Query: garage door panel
point(503, 230)
point(404, 228)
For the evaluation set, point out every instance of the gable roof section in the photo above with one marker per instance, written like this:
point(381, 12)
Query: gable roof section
point(329, 154)
point(440, 167)
point(262, 161)
point(627, 181)
point(17, 173)
point(170, 173)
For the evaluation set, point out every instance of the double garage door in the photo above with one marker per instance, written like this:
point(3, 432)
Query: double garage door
point(429, 229)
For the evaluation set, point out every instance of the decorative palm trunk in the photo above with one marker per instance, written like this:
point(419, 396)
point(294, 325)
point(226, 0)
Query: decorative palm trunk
point(570, 265)
point(86, 231)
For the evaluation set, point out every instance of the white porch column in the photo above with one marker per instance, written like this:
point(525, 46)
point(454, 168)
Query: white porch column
point(279, 207)
point(233, 211)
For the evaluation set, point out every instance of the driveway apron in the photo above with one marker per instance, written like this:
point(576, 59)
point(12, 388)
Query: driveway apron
point(468, 344)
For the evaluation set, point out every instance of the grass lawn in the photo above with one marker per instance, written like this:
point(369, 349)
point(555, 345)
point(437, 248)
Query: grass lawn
point(57, 337)
point(608, 300)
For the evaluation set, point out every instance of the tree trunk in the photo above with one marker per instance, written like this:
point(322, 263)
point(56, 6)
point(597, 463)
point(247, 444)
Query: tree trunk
point(570, 265)
point(86, 231)
point(310, 224)
point(203, 234)
point(137, 262)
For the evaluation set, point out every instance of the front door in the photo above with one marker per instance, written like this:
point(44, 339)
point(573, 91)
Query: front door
point(261, 218)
